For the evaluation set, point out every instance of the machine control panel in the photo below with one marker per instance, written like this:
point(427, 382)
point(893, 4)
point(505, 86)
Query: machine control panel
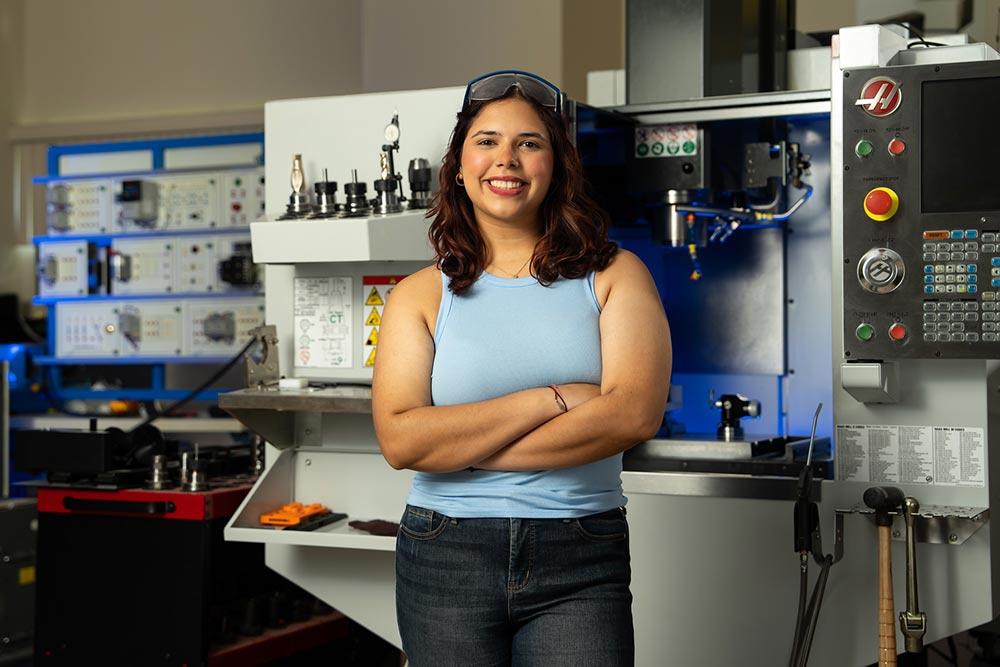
point(921, 212)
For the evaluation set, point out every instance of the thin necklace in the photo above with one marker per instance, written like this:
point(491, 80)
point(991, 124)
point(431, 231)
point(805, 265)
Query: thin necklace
point(516, 274)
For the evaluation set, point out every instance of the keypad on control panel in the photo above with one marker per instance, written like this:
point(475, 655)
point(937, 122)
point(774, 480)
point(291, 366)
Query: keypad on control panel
point(963, 294)
point(956, 322)
point(950, 265)
point(965, 321)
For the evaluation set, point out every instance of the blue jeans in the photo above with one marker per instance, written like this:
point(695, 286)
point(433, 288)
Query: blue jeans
point(514, 592)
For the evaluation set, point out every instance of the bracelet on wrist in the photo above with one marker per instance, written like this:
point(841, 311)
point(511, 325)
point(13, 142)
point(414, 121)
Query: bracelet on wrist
point(560, 401)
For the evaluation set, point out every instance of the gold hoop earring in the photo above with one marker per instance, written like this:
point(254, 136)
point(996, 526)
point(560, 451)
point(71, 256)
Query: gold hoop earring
point(459, 180)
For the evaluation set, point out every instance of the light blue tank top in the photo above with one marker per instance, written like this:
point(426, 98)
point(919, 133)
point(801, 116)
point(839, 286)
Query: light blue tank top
point(502, 336)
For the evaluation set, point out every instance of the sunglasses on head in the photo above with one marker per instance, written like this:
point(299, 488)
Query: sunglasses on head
point(496, 84)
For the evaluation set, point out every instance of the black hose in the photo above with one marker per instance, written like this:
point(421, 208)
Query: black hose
point(194, 392)
point(815, 602)
point(800, 614)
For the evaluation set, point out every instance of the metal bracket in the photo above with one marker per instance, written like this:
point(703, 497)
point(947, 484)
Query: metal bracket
point(764, 161)
point(934, 524)
point(838, 541)
point(267, 370)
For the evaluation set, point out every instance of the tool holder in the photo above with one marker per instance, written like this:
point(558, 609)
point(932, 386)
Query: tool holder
point(933, 524)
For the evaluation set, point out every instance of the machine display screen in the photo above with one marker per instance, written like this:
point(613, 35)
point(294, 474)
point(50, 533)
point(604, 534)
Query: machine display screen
point(960, 161)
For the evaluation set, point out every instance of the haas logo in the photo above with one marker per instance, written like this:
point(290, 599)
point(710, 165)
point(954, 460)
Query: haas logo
point(880, 96)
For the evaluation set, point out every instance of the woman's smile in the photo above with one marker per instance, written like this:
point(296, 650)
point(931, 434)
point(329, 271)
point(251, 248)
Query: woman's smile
point(507, 163)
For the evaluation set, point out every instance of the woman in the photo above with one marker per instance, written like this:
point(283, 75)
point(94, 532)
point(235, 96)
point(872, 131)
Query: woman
point(511, 375)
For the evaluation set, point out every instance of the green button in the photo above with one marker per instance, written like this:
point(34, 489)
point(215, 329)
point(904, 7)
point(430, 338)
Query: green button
point(864, 332)
point(239, 181)
point(864, 148)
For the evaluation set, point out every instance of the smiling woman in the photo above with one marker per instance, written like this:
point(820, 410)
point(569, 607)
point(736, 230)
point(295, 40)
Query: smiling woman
point(513, 396)
point(507, 167)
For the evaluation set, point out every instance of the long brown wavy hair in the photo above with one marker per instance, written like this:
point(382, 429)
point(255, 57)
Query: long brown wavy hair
point(575, 229)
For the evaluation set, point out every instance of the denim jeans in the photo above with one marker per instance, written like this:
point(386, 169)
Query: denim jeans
point(514, 592)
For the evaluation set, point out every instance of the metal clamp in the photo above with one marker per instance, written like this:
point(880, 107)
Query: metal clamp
point(267, 370)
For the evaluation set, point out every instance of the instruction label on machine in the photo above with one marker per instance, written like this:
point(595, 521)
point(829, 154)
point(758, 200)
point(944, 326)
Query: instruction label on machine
point(666, 140)
point(934, 455)
point(323, 331)
point(376, 292)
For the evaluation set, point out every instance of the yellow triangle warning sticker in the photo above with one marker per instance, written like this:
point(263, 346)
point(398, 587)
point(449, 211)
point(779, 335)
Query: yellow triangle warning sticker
point(374, 299)
point(372, 337)
point(371, 359)
point(374, 319)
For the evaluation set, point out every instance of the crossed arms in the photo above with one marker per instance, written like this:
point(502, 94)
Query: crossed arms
point(525, 430)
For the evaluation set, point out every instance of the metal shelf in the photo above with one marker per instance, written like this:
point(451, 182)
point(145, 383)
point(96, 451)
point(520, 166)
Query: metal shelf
point(293, 417)
point(173, 231)
point(339, 535)
point(362, 485)
point(46, 360)
point(53, 300)
point(394, 237)
point(164, 424)
point(934, 524)
point(732, 107)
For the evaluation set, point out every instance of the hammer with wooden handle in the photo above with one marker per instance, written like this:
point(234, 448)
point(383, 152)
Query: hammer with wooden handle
point(885, 500)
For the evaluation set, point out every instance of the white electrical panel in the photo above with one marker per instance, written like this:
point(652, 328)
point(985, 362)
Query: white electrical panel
point(200, 200)
point(63, 268)
point(219, 327)
point(146, 247)
point(242, 197)
point(188, 202)
point(151, 328)
point(156, 328)
point(87, 329)
point(194, 264)
point(78, 207)
point(197, 267)
point(142, 265)
point(178, 202)
point(214, 264)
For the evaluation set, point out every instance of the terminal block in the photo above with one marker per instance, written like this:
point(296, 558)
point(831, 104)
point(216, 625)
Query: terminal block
point(239, 269)
point(220, 327)
point(140, 201)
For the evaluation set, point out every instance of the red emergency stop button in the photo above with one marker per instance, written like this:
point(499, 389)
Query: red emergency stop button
point(897, 147)
point(881, 204)
point(897, 331)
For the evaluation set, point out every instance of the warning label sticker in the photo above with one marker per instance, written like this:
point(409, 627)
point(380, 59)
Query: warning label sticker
point(376, 290)
point(653, 141)
point(933, 455)
point(323, 323)
point(374, 298)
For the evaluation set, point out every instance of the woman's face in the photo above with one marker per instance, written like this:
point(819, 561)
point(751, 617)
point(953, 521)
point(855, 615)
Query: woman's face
point(507, 163)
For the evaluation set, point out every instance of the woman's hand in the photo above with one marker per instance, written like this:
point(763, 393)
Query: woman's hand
point(577, 394)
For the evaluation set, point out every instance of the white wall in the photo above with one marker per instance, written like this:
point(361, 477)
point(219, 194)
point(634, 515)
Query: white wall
point(16, 259)
point(100, 59)
point(437, 43)
point(823, 15)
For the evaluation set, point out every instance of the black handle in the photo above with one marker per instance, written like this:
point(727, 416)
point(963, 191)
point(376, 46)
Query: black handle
point(119, 506)
point(883, 499)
